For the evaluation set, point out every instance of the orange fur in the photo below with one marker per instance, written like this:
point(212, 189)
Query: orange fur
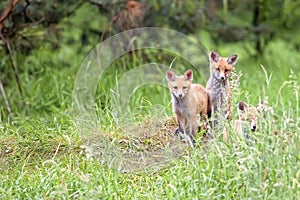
point(217, 85)
point(248, 114)
point(188, 100)
point(248, 118)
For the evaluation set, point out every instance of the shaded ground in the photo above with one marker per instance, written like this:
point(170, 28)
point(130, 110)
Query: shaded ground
point(148, 146)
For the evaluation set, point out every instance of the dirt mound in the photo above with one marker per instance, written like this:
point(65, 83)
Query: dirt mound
point(147, 146)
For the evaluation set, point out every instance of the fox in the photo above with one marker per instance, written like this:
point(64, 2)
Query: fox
point(218, 85)
point(189, 100)
point(248, 118)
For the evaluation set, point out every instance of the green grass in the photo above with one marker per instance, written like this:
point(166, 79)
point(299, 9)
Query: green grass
point(42, 154)
point(43, 162)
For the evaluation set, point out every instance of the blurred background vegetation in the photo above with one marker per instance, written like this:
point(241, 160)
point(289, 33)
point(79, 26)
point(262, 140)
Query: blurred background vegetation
point(43, 42)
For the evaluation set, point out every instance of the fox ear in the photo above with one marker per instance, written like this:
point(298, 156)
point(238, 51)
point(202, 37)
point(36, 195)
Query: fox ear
point(213, 56)
point(188, 75)
point(170, 75)
point(242, 106)
point(232, 59)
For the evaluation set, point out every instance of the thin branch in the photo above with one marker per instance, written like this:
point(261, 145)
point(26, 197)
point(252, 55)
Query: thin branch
point(13, 63)
point(5, 99)
point(108, 26)
point(7, 11)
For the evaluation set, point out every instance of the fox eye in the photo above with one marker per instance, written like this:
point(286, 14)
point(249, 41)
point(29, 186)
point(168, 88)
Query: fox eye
point(175, 87)
point(184, 87)
point(218, 69)
point(226, 70)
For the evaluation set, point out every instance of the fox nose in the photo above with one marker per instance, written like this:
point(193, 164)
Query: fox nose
point(180, 95)
point(222, 77)
point(253, 128)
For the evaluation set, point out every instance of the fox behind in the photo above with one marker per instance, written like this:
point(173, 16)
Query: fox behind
point(188, 100)
point(249, 115)
point(248, 118)
point(217, 85)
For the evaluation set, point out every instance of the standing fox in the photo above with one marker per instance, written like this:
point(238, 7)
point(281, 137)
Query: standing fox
point(188, 101)
point(217, 85)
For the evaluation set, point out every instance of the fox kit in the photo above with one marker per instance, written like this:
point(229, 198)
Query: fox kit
point(188, 101)
point(248, 117)
point(217, 85)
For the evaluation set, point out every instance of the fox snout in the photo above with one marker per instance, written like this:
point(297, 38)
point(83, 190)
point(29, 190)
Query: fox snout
point(253, 126)
point(178, 94)
point(222, 77)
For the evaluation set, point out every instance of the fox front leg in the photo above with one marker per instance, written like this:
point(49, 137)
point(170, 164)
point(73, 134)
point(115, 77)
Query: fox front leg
point(193, 126)
point(179, 129)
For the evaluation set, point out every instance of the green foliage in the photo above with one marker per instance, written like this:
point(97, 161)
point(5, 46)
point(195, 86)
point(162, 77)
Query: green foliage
point(41, 151)
point(43, 157)
point(47, 162)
